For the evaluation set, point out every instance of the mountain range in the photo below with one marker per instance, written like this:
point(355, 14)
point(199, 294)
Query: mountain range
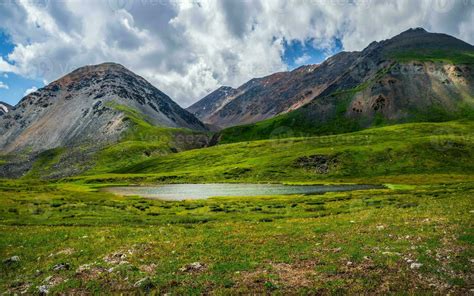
point(116, 115)
point(413, 76)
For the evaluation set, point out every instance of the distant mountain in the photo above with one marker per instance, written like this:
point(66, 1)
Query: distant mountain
point(92, 105)
point(4, 108)
point(266, 97)
point(391, 80)
point(212, 102)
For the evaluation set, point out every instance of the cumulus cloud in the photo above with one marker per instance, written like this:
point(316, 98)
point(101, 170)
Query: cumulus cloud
point(30, 90)
point(187, 48)
point(3, 85)
point(302, 59)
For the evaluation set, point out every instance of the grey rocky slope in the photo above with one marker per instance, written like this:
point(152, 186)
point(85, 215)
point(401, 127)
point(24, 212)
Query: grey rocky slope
point(409, 53)
point(212, 102)
point(4, 108)
point(88, 105)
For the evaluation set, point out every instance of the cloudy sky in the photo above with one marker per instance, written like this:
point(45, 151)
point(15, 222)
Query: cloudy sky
point(187, 48)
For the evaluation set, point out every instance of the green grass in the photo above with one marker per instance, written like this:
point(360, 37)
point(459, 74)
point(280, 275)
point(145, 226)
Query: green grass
point(451, 57)
point(304, 123)
point(360, 242)
point(277, 244)
point(45, 162)
point(426, 148)
point(142, 141)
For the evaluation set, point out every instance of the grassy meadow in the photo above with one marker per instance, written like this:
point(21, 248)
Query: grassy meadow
point(68, 236)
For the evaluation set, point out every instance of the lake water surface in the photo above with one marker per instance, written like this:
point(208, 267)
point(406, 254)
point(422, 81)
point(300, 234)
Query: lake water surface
point(176, 192)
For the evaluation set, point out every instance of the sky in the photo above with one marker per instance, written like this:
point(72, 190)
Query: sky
point(188, 48)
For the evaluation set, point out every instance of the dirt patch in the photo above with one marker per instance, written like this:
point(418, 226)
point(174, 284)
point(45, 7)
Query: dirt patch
point(295, 275)
point(288, 277)
point(89, 272)
point(123, 256)
point(364, 277)
point(195, 267)
point(19, 287)
point(148, 268)
point(117, 258)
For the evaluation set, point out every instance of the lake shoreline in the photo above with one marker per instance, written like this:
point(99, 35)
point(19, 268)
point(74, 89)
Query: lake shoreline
point(180, 192)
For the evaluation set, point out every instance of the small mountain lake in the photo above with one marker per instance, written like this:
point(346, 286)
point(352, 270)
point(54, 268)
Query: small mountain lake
point(178, 192)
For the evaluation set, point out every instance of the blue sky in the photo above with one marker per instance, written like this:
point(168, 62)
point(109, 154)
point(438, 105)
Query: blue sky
point(14, 86)
point(298, 53)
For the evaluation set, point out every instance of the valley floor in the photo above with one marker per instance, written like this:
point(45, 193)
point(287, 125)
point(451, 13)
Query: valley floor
point(415, 237)
point(410, 239)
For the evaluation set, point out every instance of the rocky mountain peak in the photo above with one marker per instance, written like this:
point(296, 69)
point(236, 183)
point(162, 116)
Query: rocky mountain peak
point(414, 31)
point(420, 40)
point(89, 105)
point(102, 73)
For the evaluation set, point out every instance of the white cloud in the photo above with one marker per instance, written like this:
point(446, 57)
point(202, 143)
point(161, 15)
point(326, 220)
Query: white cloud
point(5, 75)
point(302, 59)
point(188, 48)
point(3, 85)
point(30, 90)
point(6, 67)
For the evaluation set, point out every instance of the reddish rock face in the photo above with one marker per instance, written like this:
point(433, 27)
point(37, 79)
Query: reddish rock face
point(263, 98)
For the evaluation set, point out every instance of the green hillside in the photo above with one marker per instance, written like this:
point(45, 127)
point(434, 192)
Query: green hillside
point(304, 122)
point(414, 68)
point(444, 56)
point(421, 148)
point(73, 238)
point(140, 142)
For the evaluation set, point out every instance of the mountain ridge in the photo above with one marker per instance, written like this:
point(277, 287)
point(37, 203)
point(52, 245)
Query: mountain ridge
point(87, 106)
point(343, 71)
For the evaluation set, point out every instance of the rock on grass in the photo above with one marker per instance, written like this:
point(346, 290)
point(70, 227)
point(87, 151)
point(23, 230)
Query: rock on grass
point(416, 265)
point(144, 283)
point(193, 267)
point(11, 260)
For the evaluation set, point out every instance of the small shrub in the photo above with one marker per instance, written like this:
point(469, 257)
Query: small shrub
point(216, 209)
point(38, 211)
point(13, 210)
point(315, 202)
point(408, 205)
point(55, 204)
point(277, 206)
point(315, 209)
